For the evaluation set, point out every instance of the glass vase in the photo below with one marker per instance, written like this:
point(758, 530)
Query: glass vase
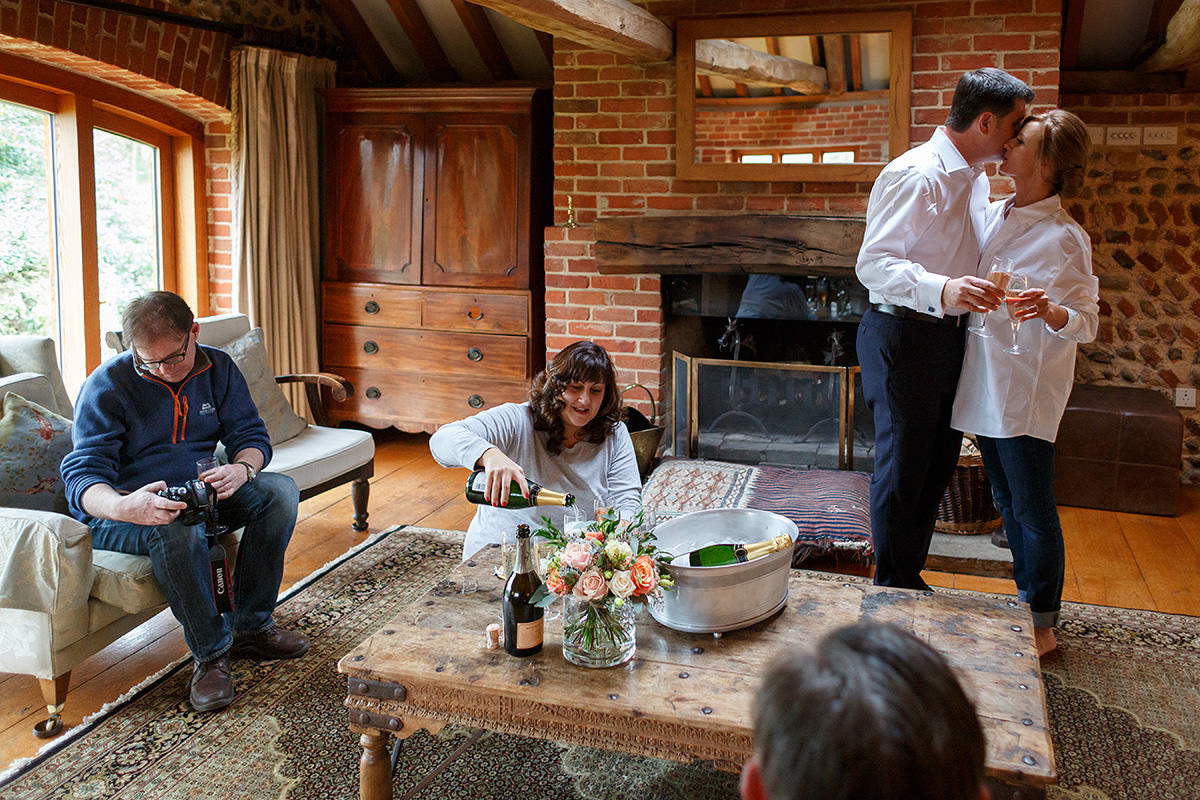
point(599, 633)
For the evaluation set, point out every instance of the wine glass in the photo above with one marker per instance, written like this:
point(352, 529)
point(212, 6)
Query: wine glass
point(1016, 285)
point(999, 273)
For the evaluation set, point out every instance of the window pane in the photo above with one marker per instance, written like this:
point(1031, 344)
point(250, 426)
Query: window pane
point(128, 234)
point(797, 158)
point(838, 157)
point(756, 158)
point(26, 222)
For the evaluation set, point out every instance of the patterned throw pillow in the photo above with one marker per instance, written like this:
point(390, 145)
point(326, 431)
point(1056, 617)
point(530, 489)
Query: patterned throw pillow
point(249, 352)
point(33, 441)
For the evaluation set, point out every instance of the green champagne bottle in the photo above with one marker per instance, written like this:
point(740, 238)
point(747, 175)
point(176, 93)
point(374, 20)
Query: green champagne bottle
point(719, 555)
point(523, 621)
point(538, 496)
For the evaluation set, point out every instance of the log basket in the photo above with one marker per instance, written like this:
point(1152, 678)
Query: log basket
point(645, 434)
point(967, 506)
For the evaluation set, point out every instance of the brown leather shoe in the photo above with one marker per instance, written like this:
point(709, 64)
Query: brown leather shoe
point(212, 684)
point(274, 642)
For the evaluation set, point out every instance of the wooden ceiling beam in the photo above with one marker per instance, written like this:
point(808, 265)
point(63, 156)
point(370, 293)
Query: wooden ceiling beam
point(616, 26)
point(546, 41)
point(483, 35)
point(706, 89)
point(746, 65)
point(361, 41)
point(416, 27)
point(1181, 50)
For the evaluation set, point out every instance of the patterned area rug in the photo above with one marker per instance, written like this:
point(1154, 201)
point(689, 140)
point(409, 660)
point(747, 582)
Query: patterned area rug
point(1124, 693)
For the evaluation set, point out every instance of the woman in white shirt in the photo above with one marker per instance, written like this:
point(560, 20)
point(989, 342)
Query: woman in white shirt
point(568, 437)
point(1014, 403)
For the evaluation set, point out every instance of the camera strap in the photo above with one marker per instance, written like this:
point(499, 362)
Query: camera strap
point(219, 568)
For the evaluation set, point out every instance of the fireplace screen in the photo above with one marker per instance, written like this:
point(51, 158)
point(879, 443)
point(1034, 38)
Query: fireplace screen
point(756, 412)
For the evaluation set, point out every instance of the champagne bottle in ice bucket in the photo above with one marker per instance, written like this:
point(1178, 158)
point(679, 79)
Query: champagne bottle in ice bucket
point(719, 555)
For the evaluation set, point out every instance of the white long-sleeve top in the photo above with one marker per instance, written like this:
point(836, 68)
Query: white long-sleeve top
point(924, 226)
point(586, 470)
point(1003, 395)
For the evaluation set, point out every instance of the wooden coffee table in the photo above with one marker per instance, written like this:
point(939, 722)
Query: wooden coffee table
point(683, 696)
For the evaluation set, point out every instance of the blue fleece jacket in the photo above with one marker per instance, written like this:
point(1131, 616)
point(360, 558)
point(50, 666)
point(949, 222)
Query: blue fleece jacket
point(132, 429)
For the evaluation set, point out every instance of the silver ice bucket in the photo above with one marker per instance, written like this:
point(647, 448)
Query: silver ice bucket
point(714, 599)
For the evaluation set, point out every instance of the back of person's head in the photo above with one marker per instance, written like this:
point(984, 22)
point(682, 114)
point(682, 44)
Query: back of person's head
point(986, 89)
point(1065, 147)
point(155, 315)
point(871, 713)
point(580, 362)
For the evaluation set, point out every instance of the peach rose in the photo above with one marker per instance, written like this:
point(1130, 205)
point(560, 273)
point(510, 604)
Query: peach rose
point(645, 575)
point(591, 586)
point(621, 584)
point(594, 535)
point(554, 582)
point(577, 555)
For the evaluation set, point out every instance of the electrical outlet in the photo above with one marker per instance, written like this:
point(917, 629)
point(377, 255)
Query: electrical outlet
point(1096, 132)
point(1123, 135)
point(1185, 397)
point(1166, 134)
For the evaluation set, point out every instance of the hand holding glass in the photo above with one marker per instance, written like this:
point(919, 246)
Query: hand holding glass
point(999, 273)
point(206, 465)
point(1016, 285)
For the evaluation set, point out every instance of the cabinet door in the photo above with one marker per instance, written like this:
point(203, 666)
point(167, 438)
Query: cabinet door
point(476, 201)
point(375, 164)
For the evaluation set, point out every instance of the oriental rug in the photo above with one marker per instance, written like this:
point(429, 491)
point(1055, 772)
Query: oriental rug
point(1123, 689)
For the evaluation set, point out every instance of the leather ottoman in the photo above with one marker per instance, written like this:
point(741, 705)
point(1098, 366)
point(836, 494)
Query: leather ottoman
point(1119, 448)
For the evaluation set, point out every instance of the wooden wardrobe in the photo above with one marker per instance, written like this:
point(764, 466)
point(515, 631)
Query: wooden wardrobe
point(433, 290)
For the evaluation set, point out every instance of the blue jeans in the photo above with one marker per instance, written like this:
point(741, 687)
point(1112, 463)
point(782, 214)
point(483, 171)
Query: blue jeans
point(179, 555)
point(1021, 471)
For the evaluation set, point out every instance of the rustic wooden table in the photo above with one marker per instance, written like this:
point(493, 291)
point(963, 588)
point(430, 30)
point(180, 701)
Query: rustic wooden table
point(683, 696)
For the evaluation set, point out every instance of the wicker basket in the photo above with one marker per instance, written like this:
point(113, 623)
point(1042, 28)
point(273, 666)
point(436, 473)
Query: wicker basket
point(967, 506)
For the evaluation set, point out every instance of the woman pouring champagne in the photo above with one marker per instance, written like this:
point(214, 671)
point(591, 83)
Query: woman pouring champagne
point(1012, 393)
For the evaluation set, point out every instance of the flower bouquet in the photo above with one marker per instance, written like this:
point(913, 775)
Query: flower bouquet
point(605, 573)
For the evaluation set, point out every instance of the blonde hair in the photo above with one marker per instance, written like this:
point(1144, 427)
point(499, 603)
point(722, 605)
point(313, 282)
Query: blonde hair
point(1065, 147)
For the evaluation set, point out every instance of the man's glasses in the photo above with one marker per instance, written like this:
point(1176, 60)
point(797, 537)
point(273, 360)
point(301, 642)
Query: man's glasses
point(169, 361)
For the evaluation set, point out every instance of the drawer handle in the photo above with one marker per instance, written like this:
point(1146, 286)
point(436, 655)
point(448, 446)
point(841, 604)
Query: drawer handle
point(475, 313)
point(475, 354)
point(475, 401)
point(371, 307)
point(373, 392)
point(370, 347)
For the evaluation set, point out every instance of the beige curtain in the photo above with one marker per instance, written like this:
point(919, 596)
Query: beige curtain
point(276, 191)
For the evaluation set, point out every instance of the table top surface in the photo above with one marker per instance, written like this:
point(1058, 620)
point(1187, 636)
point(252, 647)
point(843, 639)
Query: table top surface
point(684, 695)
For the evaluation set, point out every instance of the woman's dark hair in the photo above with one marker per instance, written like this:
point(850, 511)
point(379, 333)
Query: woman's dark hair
point(985, 89)
point(155, 315)
point(872, 714)
point(585, 362)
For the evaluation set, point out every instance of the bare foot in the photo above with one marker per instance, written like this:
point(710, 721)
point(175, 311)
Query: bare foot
point(1045, 641)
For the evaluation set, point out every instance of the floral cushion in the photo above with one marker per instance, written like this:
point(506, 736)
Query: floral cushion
point(33, 441)
point(831, 508)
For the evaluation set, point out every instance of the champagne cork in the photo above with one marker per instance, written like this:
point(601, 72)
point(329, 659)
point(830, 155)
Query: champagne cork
point(493, 636)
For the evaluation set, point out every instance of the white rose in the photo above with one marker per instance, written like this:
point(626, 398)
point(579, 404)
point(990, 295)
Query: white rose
point(622, 584)
point(619, 553)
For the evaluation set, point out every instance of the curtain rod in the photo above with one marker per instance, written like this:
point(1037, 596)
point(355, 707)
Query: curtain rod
point(243, 34)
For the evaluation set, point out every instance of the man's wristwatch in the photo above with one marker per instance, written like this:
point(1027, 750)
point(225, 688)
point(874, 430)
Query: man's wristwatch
point(250, 473)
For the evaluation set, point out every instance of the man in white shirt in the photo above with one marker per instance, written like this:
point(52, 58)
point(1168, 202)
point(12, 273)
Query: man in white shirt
point(918, 259)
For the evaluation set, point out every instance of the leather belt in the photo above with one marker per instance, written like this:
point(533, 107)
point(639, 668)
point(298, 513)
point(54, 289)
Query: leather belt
point(904, 312)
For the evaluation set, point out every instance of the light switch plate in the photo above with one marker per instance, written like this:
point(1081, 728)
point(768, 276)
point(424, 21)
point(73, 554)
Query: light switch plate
point(1185, 397)
point(1097, 134)
point(1165, 134)
point(1118, 135)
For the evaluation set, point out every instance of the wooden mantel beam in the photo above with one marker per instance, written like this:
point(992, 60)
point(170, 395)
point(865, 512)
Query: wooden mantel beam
point(617, 26)
point(747, 65)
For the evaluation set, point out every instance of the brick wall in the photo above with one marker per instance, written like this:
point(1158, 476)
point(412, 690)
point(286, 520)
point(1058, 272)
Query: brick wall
point(614, 137)
point(1141, 206)
point(722, 132)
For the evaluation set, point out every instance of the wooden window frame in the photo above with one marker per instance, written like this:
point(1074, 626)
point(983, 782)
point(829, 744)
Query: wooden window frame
point(777, 153)
point(81, 104)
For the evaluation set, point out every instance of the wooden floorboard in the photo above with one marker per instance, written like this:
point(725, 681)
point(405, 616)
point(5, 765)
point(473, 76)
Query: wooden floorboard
point(1112, 559)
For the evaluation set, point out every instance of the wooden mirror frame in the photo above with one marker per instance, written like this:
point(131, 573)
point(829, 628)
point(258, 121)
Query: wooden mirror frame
point(690, 29)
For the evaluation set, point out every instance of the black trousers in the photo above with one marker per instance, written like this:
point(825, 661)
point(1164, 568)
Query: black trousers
point(910, 372)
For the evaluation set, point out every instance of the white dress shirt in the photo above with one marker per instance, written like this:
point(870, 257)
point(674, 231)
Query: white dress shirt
point(924, 226)
point(1003, 395)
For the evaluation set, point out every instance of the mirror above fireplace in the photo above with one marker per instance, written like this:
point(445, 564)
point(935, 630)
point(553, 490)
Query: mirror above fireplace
point(792, 97)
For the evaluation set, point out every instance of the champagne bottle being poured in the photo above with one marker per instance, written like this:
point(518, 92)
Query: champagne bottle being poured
point(538, 495)
point(719, 555)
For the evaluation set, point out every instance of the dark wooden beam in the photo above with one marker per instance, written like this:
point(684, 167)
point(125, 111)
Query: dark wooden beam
point(856, 74)
point(705, 85)
point(1110, 81)
point(483, 35)
point(546, 41)
point(361, 41)
point(743, 243)
point(835, 64)
point(1072, 30)
point(616, 26)
point(416, 27)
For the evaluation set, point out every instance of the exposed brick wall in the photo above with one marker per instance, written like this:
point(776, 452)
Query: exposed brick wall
point(1141, 206)
point(719, 133)
point(614, 137)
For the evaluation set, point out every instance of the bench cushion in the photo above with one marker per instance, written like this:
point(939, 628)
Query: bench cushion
point(318, 454)
point(831, 508)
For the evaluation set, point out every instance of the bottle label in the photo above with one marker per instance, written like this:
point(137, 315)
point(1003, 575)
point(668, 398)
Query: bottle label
point(479, 483)
point(529, 634)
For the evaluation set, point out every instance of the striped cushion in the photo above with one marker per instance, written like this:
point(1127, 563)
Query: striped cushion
point(831, 508)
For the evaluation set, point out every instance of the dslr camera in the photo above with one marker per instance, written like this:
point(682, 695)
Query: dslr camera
point(201, 500)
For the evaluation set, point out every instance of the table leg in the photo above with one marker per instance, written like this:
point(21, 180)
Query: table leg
point(374, 768)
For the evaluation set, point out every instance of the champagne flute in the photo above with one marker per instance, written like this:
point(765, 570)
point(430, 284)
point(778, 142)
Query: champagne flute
point(1016, 285)
point(999, 273)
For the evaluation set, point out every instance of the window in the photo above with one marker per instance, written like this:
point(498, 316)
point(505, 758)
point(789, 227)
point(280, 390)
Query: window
point(98, 204)
point(840, 154)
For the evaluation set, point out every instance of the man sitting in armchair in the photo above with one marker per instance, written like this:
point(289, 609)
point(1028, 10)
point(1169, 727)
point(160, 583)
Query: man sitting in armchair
point(142, 421)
